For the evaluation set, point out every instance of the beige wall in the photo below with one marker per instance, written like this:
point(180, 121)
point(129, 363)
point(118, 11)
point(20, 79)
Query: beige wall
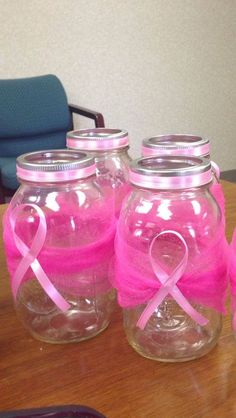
point(151, 66)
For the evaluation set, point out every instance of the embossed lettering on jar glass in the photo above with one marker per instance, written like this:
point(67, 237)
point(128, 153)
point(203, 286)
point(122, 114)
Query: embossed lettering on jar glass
point(109, 147)
point(171, 259)
point(58, 235)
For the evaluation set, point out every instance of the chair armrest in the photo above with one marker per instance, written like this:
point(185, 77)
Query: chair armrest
point(88, 113)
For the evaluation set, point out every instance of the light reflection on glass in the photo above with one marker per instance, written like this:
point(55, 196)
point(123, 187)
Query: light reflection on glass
point(164, 211)
point(196, 207)
point(145, 207)
point(51, 202)
point(34, 199)
point(72, 222)
point(192, 232)
point(138, 233)
point(81, 197)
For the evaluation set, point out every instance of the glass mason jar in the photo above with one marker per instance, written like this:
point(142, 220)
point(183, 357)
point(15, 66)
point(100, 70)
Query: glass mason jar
point(171, 265)
point(179, 144)
point(58, 235)
point(189, 145)
point(109, 147)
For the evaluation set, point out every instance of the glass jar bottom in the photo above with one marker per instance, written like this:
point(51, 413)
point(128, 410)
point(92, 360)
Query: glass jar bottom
point(170, 334)
point(87, 317)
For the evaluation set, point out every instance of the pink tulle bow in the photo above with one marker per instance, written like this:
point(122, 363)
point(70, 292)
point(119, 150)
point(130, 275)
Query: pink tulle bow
point(203, 280)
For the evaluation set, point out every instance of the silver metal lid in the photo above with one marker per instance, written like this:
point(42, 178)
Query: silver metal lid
point(97, 139)
point(170, 171)
point(176, 144)
point(54, 165)
point(54, 160)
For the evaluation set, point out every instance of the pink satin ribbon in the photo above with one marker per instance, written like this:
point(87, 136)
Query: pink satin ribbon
point(97, 144)
point(160, 150)
point(55, 176)
point(178, 182)
point(30, 258)
point(169, 286)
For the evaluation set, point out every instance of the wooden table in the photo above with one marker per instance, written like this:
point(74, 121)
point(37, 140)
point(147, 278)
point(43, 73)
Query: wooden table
point(105, 373)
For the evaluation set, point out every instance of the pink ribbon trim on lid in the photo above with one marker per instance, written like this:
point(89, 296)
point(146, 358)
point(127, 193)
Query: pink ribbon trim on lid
point(55, 176)
point(169, 286)
point(97, 144)
point(177, 182)
point(30, 258)
point(188, 150)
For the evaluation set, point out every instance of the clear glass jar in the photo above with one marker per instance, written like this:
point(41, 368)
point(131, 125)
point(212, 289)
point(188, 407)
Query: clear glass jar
point(109, 147)
point(189, 145)
point(58, 234)
point(179, 144)
point(170, 240)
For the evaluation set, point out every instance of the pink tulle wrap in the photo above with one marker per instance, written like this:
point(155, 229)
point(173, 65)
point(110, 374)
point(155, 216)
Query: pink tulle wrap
point(232, 274)
point(203, 282)
point(80, 269)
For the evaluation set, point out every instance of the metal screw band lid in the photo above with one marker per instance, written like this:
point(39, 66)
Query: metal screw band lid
point(97, 139)
point(54, 165)
point(176, 144)
point(169, 172)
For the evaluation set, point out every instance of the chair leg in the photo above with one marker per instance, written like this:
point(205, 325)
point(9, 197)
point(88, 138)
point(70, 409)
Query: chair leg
point(2, 198)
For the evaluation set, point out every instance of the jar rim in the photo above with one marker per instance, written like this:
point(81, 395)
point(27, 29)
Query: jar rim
point(97, 139)
point(54, 165)
point(170, 171)
point(176, 144)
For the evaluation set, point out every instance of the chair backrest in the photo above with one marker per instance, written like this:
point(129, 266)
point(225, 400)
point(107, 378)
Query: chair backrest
point(34, 115)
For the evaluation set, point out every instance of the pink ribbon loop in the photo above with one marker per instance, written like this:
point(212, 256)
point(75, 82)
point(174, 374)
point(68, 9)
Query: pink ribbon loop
point(216, 169)
point(30, 258)
point(169, 285)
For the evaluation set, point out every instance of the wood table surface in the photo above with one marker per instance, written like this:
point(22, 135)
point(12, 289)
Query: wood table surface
point(105, 373)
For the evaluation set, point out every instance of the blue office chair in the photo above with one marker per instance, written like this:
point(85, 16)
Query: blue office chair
point(34, 115)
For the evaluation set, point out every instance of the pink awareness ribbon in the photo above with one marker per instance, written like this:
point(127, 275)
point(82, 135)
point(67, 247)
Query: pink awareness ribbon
point(169, 286)
point(30, 258)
